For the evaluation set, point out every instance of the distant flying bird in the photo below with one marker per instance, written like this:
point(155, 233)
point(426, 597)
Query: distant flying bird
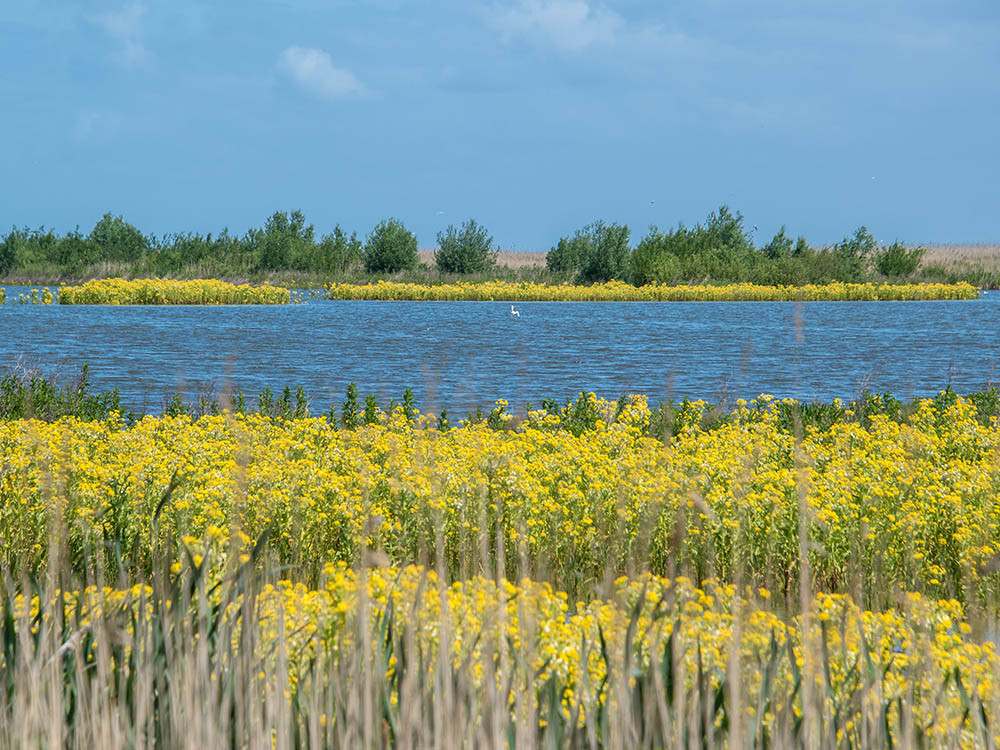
point(651, 202)
point(439, 213)
point(514, 313)
point(755, 227)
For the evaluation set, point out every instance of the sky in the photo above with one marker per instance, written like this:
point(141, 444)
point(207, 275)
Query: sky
point(534, 117)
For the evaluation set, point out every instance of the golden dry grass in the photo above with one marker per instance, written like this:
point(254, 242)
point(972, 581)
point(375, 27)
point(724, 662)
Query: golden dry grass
point(514, 259)
point(984, 255)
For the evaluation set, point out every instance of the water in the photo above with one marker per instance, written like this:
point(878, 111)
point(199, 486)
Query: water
point(460, 355)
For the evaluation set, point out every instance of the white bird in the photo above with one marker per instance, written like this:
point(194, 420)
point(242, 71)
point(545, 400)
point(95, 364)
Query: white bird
point(514, 313)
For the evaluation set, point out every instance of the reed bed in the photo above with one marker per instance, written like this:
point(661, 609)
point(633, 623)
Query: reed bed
point(255, 581)
point(384, 657)
point(617, 291)
point(171, 292)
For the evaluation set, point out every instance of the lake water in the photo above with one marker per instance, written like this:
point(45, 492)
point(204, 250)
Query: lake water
point(459, 355)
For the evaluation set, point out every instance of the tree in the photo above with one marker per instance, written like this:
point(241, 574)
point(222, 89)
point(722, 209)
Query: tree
point(609, 253)
point(567, 255)
point(390, 247)
point(653, 259)
point(338, 252)
point(116, 239)
point(285, 242)
point(854, 253)
point(895, 260)
point(598, 252)
point(469, 250)
point(8, 250)
point(780, 245)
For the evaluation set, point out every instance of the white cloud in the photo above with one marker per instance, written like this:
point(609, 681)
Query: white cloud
point(125, 26)
point(312, 69)
point(570, 25)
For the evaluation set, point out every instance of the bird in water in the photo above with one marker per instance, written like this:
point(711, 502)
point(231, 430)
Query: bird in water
point(514, 313)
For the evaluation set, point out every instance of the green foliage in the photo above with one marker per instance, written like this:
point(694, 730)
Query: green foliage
point(115, 239)
point(566, 256)
point(654, 261)
point(854, 253)
point(349, 414)
point(896, 260)
point(8, 252)
point(466, 250)
point(390, 247)
point(780, 245)
point(608, 256)
point(27, 396)
point(284, 242)
point(598, 252)
point(337, 252)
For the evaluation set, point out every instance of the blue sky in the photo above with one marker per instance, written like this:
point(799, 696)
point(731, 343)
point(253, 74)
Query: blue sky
point(532, 116)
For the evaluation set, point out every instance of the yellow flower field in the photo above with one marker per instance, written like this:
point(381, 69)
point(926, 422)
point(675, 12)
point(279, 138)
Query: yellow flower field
point(887, 506)
point(618, 291)
point(527, 656)
point(839, 588)
point(171, 292)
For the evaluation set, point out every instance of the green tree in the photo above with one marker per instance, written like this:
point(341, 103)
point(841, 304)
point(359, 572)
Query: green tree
point(286, 241)
point(567, 255)
point(653, 259)
point(854, 254)
point(8, 250)
point(338, 252)
point(780, 245)
point(609, 253)
point(390, 247)
point(598, 252)
point(896, 260)
point(466, 250)
point(115, 239)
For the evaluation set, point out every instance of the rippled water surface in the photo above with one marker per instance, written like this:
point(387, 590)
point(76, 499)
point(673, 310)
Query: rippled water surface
point(461, 355)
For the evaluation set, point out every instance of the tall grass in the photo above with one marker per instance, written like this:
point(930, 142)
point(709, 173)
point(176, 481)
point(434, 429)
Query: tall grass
point(221, 635)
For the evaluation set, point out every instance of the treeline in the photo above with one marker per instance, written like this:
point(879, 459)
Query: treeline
point(719, 250)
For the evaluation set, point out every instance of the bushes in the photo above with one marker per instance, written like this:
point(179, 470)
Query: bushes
point(895, 260)
point(469, 250)
point(654, 261)
point(7, 252)
point(115, 239)
point(598, 252)
point(716, 251)
point(390, 247)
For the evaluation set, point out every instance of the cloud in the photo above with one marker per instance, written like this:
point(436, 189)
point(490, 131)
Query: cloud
point(313, 70)
point(569, 25)
point(125, 26)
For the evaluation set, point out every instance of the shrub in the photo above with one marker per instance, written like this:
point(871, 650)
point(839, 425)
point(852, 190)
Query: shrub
point(8, 251)
point(609, 253)
point(338, 252)
point(854, 253)
point(390, 247)
point(598, 252)
point(116, 239)
point(284, 242)
point(566, 257)
point(654, 261)
point(780, 245)
point(895, 260)
point(469, 250)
